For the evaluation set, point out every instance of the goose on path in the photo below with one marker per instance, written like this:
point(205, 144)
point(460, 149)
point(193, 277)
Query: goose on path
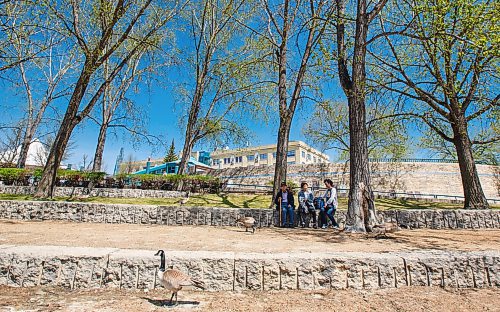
point(173, 280)
point(247, 222)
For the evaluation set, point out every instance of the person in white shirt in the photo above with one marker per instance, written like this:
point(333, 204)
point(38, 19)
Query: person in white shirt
point(331, 202)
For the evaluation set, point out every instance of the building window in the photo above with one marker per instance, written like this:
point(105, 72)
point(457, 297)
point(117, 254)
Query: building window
point(291, 162)
point(263, 156)
point(274, 155)
point(314, 159)
point(309, 157)
point(303, 154)
point(250, 157)
point(290, 153)
point(238, 159)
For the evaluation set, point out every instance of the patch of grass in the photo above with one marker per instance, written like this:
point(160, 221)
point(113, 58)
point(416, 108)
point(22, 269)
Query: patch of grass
point(240, 201)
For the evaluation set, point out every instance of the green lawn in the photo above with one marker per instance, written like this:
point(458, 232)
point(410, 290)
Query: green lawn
point(240, 201)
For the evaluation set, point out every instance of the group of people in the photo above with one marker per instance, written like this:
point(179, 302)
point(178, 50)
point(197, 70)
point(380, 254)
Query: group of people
point(308, 204)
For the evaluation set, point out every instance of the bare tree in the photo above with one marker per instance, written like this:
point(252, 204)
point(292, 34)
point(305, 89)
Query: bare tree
point(222, 70)
point(128, 167)
point(41, 79)
point(361, 214)
point(10, 139)
point(41, 155)
point(293, 31)
point(116, 110)
point(444, 55)
point(118, 30)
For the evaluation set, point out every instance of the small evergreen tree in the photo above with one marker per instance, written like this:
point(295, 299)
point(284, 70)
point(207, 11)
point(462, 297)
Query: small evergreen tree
point(171, 155)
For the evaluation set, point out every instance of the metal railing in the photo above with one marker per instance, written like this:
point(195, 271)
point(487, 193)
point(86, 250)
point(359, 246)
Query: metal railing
point(344, 191)
point(424, 160)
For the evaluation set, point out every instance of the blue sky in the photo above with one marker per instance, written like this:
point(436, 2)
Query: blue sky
point(162, 113)
point(162, 110)
point(162, 120)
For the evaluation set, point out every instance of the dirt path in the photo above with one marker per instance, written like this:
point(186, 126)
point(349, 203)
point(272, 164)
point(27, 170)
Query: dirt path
point(402, 299)
point(233, 239)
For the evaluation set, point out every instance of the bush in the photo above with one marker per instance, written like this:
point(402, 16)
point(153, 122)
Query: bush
point(72, 178)
point(14, 176)
point(192, 183)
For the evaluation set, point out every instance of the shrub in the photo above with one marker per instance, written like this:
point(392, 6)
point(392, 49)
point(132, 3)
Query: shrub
point(15, 176)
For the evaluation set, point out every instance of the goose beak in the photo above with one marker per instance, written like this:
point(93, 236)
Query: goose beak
point(158, 253)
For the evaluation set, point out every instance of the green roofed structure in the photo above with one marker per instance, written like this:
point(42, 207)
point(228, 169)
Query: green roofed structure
point(173, 166)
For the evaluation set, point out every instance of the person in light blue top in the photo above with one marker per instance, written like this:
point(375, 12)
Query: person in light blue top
point(331, 202)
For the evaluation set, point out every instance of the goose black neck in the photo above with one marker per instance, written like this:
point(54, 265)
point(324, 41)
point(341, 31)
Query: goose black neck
point(162, 262)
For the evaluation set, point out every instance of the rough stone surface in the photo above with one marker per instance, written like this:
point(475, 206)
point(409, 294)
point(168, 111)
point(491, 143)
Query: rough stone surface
point(144, 214)
point(416, 178)
point(96, 192)
point(71, 267)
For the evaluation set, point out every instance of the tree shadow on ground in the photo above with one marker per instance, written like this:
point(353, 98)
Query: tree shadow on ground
point(226, 201)
point(401, 240)
point(246, 203)
point(166, 302)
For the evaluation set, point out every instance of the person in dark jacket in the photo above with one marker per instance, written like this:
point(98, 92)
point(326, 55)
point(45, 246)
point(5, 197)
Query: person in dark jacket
point(284, 201)
point(306, 205)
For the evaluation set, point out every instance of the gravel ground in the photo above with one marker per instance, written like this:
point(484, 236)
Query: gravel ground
point(401, 299)
point(206, 238)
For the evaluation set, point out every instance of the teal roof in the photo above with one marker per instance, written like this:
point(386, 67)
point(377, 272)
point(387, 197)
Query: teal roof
point(192, 162)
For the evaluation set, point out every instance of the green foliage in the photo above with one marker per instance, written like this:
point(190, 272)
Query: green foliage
point(443, 68)
point(328, 126)
point(18, 176)
point(171, 155)
point(193, 183)
point(13, 175)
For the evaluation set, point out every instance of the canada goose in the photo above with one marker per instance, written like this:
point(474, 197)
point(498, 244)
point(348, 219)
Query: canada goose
point(247, 222)
point(185, 199)
point(383, 229)
point(173, 280)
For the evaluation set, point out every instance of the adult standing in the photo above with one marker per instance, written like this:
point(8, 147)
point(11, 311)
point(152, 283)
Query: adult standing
point(284, 201)
point(331, 202)
point(306, 205)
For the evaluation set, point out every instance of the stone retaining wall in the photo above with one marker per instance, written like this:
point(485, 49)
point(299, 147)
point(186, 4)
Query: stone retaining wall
point(143, 214)
point(74, 267)
point(96, 192)
point(420, 178)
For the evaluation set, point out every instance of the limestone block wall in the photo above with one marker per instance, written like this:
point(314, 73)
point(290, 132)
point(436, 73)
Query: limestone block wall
point(96, 192)
point(144, 214)
point(425, 178)
point(75, 268)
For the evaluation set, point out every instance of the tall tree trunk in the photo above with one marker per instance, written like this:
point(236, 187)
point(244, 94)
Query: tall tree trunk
point(280, 168)
point(473, 192)
point(186, 155)
point(47, 182)
point(101, 140)
point(191, 132)
point(361, 214)
point(25, 145)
